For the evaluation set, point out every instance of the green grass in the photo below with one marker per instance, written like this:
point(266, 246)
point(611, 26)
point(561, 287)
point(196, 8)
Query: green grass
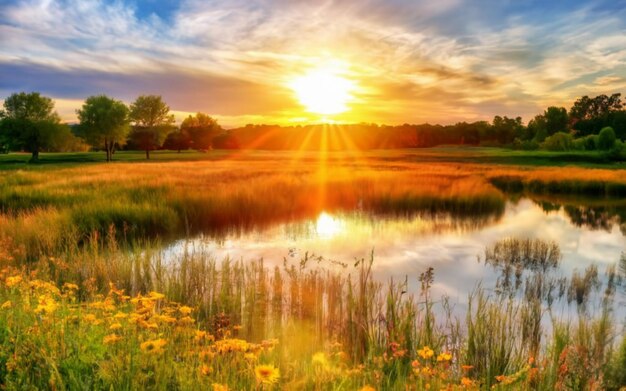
point(452, 154)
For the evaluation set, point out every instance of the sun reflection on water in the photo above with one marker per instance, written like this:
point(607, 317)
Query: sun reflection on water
point(328, 226)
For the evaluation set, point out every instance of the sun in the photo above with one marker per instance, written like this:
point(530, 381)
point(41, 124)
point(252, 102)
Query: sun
point(323, 91)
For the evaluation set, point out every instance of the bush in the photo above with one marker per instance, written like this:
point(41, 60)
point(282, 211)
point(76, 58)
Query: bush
point(606, 138)
point(559, 141)
point(525, 145)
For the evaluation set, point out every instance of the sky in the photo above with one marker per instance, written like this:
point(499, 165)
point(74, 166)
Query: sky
point(406, 61)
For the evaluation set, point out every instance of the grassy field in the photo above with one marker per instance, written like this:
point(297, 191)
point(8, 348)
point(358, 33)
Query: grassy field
point(89, 303)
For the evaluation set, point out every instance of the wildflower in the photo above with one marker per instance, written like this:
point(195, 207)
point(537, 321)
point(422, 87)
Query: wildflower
point(467, 367)
point(12, 281)
point(444, 357)
point(115, 326)
point(251, 357)
point(367, 388)
point(399, 353)
point(91, 318)
point(153, 346)
point(426, 352)
point(156, 296)
point(467, 382)
point(111, 339)
point(46, 305)
point(415, 363)
point(319, 358)
point(120, 315)
point(70, 287)
point(206, 370)
point(219, 387)
point(267, 374)
point(114, 291)
point(7, 304)
point(186, 320)
point(185, 310)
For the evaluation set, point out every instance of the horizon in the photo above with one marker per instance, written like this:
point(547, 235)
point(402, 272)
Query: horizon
point(283, 63)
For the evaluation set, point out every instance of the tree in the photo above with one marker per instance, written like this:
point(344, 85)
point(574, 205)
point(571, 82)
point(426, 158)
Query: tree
point(556, 120)
point(201, 129)
point(606, 139)
point(536, 129)
point(30, 123)
point(506, 129)
point(177, 140)
point(104, 122)
point(152, 122)
point(586, 108)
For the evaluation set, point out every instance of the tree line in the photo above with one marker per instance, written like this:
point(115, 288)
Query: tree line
point(29, 123)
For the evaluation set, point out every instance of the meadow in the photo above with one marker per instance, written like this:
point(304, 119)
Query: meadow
point(88, 301)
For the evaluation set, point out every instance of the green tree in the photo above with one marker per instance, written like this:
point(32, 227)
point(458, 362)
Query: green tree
point(586, 108)
point(104, 122)
point(201, 129)
point(30, 123)
point(556, 120)
point(606, 138)
point(506, 129)
point(152, 122)
point(177, 140)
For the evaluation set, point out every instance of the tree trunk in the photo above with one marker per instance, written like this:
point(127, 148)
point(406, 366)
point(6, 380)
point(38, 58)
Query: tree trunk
point(35, 157)
point(148, 154)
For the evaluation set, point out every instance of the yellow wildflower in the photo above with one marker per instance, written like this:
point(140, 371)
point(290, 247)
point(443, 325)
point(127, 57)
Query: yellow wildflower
point(444, 357)
point(46, 305)
point(426, 352)
point(251, 357)
point(7, 304)
point(467, 382)
point(115, 326)
point(367, 388)
point(267, 374)
point(12, 281)
point(70, 287)
point(120, 315)
point(153, 346)
point(111, 339)
point(156, 296)
point(206, 370)
point(219, 387)
point(185, 310)
point(319, 358)
point(186, 320)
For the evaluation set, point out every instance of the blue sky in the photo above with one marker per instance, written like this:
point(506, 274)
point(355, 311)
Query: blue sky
point(413, 61)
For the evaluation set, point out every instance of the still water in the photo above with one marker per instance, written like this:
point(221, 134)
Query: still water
point(405, 246)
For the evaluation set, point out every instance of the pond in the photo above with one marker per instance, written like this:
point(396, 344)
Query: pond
point(453, 244)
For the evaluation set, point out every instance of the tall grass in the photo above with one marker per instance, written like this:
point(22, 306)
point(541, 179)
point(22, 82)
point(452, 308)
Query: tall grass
point(360, 330)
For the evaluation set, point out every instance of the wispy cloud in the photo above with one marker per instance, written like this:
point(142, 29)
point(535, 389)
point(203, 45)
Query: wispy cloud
point(415, 61)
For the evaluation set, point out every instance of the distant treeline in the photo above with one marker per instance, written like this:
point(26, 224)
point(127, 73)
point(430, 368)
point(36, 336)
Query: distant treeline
point(29, 123)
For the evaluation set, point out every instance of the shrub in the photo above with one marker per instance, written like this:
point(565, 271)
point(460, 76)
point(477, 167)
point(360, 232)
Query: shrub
point(606, 138)
point(559, 141)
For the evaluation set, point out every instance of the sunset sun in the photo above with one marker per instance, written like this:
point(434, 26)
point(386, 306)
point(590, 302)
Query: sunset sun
point(323, 91)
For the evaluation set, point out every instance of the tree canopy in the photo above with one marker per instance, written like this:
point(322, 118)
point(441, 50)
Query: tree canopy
point(104, 122)
point(201, 129)
point(152, 122)
point(30, 123)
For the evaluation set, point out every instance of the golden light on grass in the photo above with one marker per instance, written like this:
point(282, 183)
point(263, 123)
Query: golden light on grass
point(323, 91)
